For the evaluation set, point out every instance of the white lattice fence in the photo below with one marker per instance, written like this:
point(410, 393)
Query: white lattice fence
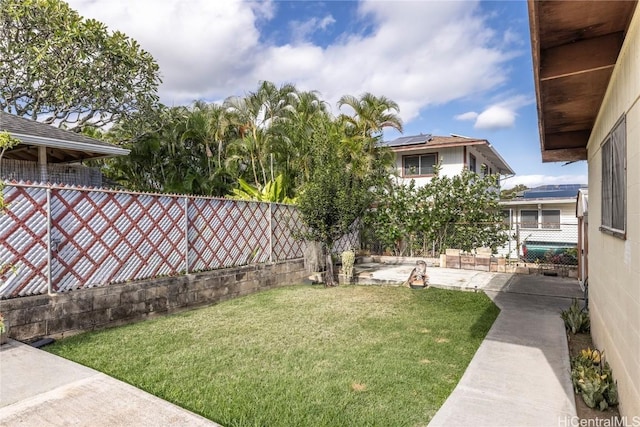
point(23, 232)
point(225, 233)
point(64, 238)
point(286, 226)
point(103, 237)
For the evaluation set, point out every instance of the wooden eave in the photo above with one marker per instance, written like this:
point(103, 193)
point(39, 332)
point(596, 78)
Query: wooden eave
point(575, 46)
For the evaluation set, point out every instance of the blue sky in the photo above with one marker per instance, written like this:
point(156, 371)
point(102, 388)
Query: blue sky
point(460, 67)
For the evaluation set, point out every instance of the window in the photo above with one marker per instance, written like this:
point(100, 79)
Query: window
point(529, 219)
point(506, 217)
point(551, 219)
point(472, 163)
point(419, 165)
point(614, 177)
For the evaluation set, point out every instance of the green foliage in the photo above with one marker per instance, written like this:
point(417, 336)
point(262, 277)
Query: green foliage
point(592, 379)
point(68, 70)
point(397, 217)
point(246, 143)
point(449, 212)
point(576, 318)
point(512, 192)
point(274, 191)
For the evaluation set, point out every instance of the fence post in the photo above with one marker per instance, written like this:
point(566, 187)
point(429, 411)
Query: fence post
point(186, 235)
point(49, 244)
point(271, 232)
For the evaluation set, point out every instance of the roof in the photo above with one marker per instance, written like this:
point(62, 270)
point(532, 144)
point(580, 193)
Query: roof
point(562, 193)
point(66, 146)
point(420, 142)
point(575, 45)
point(552, 191)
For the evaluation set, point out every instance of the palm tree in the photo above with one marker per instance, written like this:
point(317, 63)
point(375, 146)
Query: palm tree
point(256, 117)
point(364, 129)
point(371, 114)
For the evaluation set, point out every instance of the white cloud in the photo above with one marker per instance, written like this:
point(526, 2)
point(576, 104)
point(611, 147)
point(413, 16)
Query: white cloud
point(301, 30)
point(417, 53)
point(500, 115)
point(495, 117)
point(532, 181)
point(471, 115)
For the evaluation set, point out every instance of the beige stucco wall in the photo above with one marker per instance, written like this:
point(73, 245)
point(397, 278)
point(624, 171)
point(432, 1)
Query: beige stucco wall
point(614, 263)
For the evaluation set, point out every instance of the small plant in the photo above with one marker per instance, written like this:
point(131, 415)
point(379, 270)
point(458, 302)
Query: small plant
point(348, 259)
point(576, 319)
point(3, 327)
point(592, 379)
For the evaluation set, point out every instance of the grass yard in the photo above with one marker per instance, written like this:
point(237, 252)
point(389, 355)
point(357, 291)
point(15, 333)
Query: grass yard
point(301, 355)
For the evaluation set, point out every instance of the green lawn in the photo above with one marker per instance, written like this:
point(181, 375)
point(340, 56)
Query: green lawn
point(301, 355)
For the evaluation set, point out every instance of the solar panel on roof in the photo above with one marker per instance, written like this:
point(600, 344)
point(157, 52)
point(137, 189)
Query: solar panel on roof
point(552, 191)
point(409, 140)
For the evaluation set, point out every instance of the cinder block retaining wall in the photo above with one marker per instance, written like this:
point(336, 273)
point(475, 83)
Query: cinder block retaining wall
point(85, 309)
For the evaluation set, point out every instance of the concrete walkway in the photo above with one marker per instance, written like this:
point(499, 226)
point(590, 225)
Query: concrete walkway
point(518, 377)
point(41, 389)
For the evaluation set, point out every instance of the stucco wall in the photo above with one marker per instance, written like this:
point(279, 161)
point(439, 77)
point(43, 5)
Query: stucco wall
point(614, 263)
point(84, 309)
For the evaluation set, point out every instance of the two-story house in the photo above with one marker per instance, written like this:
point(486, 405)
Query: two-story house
point(417, 155)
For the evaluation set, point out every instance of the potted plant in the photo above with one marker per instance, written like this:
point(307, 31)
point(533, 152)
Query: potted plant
point(348, 260)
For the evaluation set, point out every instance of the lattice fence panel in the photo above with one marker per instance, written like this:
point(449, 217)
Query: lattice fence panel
point(23, 243)
point(286, 226)
point(351, 240)
point(108, 237)
point(227, 233)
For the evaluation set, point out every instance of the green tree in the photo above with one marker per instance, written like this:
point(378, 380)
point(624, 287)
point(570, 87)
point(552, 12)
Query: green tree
point(336, 196)
point(462, 211)
point(395, 217)
point(512, 192)
point(61, 69)
point(371, 114)
point(255, 117)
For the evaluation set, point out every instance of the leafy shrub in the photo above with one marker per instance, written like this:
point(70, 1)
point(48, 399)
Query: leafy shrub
point(592, 379)
point(576, 319)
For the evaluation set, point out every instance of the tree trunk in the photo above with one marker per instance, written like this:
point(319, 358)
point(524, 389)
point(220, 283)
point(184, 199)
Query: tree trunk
point(328, 279)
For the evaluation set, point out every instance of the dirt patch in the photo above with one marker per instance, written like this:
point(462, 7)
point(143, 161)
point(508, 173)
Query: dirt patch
point(578, 342)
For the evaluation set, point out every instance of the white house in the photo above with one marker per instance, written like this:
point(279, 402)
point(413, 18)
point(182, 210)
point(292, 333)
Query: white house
point(416, 156)
point(586, 61)
point(542, 222)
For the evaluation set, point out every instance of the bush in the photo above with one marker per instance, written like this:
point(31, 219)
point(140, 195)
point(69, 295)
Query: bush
point(576, 319)
point(592, 379)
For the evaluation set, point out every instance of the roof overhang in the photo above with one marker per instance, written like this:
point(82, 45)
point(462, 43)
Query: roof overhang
point(575, 45)
point(60, 151)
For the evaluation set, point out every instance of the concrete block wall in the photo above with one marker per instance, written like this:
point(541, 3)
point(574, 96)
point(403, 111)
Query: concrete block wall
point(86, 309)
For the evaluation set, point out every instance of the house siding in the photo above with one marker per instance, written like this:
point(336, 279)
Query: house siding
point(614, 267)
point(568, 232)
point(452, 161)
